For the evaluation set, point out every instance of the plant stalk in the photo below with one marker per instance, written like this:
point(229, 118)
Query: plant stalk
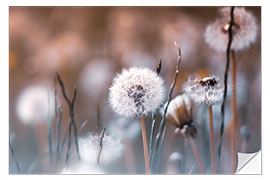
point(196, 154)
point(234, 111)
point(212, 140)
point(145, 147)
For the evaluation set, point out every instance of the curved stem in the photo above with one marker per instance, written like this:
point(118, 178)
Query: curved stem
point(196, 153)
point(212, 141)
point(145, 147)
point(234, 111)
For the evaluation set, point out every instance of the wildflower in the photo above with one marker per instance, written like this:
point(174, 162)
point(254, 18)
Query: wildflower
point(125, 128)
point(180, 115)
point(34, 104)
point(136, 91)
point(90, 147)
point(244, 30)
point(208, 90)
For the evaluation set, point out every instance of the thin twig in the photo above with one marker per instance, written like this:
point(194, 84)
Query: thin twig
point(101, 144)
point(58, 122)
point(82, 126)
point(72, 123)
point(162, 124)
point(158, 70)
point(14, 157)
point(228, 52)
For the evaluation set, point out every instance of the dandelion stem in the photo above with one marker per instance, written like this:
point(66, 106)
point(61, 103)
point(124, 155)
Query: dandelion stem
point(196, 153)
point(145, 147)
point(212, 141)
point(234, 111)
point(228, 51)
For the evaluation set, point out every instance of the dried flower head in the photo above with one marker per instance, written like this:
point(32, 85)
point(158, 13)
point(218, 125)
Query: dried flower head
point(35, 104)
point(180, 115)
point(208, 90)
point(136, 91)
point(244, 30)
point(90, 146)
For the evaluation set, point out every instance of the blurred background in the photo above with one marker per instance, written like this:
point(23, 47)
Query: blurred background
point(87, 46)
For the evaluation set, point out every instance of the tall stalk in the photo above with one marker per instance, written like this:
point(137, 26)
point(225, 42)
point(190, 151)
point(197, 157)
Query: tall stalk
point(212, 140)
point(196, 154)
point(234, 112)
point(145, 146)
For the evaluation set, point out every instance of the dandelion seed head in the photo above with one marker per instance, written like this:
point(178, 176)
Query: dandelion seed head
point(208, 90)
point(90, 146)
point(244, 30)
point(136, 91)
point(35, 104)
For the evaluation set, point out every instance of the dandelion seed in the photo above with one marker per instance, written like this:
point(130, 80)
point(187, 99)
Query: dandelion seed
point(244, 30)
point(89, 149)
point(33, 104)
point(136, 92)
point(208, 90)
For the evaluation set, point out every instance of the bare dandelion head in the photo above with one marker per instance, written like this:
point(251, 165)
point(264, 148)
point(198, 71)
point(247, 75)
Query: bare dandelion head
point(136, 91)
point(90, 146)
point(35, 104)
point(208, 90)
point(244, 30)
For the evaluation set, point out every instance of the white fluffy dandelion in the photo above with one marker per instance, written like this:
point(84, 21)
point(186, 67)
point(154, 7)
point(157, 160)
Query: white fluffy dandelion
point(136, 91)
point(89, 149)
point(35, 104)
point(244, 30)
point(208, 90)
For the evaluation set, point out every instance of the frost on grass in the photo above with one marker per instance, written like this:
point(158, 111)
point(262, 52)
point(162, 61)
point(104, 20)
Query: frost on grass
point(34, 104)
point(136, 91)
point(244, 30)
point(208, 90)
point(90, 146)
